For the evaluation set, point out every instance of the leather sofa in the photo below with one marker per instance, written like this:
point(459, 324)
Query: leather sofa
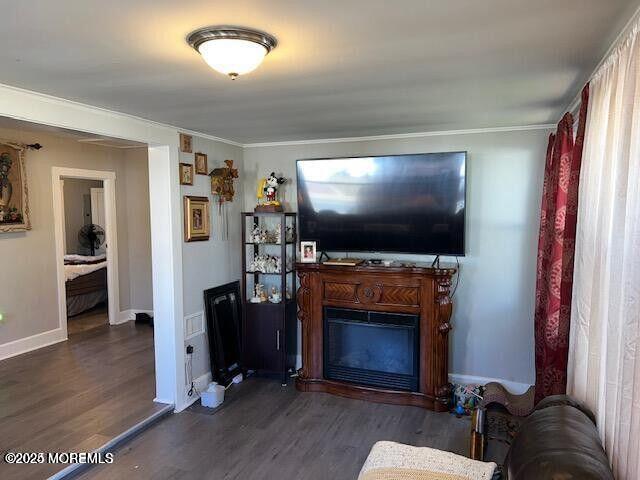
point(559, 440)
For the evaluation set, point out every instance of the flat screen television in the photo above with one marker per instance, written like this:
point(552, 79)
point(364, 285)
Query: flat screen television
point(395, 203)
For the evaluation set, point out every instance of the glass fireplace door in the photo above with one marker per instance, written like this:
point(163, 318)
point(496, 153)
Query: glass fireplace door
point(371, 348)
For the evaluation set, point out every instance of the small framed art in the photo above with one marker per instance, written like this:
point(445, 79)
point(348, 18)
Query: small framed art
point(186, 174)
point(308, 252)
point(196, 218)
point(186, 142)
point(201, 164)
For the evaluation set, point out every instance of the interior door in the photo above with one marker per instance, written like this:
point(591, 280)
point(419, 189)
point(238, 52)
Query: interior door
point(97, 212)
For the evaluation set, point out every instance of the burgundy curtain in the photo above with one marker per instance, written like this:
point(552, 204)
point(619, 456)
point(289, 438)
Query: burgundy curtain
point(556, 246)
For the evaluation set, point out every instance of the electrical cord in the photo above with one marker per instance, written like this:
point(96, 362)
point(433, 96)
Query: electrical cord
point(455, 288)
point(189, 375)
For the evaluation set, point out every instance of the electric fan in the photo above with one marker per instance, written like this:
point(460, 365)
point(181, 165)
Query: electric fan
point(91, 236)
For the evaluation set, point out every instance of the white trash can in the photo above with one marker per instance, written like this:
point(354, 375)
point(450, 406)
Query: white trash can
point(213, 396)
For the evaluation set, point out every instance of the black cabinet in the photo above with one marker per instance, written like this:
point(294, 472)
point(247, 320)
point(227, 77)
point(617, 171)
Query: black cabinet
point(269, 326)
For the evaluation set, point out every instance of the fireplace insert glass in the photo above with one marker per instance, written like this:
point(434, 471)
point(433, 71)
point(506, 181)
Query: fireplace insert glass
point(371, 348)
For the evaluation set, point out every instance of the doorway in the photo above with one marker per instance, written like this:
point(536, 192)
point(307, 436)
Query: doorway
point(85, 254)
point(85, 226)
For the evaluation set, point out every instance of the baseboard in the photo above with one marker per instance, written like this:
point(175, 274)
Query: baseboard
point(513, 387)
point(75, 469)
point(201, 383)
point(128, 315)
point(34, 342)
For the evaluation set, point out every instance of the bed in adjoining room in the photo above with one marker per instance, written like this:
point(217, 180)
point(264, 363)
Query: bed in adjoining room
point(86, 282)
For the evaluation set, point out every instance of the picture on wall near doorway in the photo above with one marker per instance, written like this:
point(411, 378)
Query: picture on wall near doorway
point(186, 174)
point(197, 225)
point(201, 164)
point(186, 142)
point(14, 195)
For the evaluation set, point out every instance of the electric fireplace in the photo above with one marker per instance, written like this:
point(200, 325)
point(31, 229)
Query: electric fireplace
point(371, 348)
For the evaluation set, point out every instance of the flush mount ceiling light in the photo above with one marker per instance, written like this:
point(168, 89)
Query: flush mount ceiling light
point(232, 50)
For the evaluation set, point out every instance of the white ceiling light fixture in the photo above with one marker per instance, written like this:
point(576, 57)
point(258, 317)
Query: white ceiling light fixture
point(232, 51)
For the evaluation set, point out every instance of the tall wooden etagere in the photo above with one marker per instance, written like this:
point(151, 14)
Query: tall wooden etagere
point(269, 328)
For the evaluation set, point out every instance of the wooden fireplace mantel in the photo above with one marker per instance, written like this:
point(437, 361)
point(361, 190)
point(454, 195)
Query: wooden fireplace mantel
point(416, 289)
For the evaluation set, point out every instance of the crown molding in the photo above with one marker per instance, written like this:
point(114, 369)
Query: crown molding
point(59, 100)
point(396, 136)
point(206, 136)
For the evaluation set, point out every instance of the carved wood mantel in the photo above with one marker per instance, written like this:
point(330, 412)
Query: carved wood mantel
point(419, 290)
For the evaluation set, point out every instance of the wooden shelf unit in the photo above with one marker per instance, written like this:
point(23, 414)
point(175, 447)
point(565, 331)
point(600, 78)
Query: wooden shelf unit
point(269, 330)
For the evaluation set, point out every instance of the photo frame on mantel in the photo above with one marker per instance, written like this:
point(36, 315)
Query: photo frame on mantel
point(14, 193)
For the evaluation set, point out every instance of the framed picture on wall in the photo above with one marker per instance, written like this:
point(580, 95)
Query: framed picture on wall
point(186, 143)
point(14, 198)
point(186, 174)
point(201, 164)
point(197, 225)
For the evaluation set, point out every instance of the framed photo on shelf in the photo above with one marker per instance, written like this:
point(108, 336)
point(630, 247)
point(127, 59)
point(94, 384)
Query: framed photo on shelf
point(186, 174)
point(197, 225)
point(308, 252)
point(201, 164)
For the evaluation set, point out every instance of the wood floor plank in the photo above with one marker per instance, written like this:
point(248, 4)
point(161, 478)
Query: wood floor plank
point(75, 395)
point(265, 431)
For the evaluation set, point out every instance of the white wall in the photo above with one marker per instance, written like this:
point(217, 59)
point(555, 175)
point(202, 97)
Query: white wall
point(28, 298)
point(493, 306)
point(166, 228)
point(217, 261)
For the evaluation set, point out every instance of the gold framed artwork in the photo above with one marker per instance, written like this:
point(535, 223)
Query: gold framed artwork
point(186, 143)
point(201, 164)
point(14, 195)
point(186, 174)
point(197, 225)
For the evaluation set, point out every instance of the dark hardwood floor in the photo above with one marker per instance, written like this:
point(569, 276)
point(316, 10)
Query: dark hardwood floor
point(96, 317)
point(75, 395)
point(265, 431)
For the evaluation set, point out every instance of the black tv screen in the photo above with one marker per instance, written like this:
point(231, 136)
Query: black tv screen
point(397, 203)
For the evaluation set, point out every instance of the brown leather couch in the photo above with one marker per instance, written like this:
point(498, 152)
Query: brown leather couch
point(557, 441)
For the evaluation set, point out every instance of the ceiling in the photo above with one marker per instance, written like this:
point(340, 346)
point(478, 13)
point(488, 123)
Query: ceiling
point(342, 68)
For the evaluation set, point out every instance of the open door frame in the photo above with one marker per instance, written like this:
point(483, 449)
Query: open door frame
point(111, 240)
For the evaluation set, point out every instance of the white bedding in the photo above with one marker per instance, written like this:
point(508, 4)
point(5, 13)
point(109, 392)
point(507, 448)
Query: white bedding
point(74, 271)
point(84, 258)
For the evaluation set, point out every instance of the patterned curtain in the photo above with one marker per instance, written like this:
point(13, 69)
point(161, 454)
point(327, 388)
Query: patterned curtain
point(556, 246)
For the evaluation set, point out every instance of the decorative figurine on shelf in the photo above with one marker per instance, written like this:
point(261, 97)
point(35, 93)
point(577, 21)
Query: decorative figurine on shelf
point(268, 189)
point(258, 293)
point(263, 295)
point(263, 263)
point(259, 235)
point(275, 295)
